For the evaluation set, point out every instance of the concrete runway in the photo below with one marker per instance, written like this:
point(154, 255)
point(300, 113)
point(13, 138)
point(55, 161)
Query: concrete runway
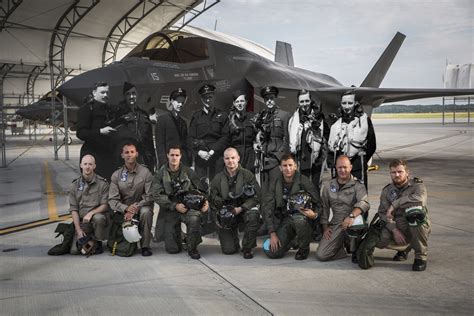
point(33, 283)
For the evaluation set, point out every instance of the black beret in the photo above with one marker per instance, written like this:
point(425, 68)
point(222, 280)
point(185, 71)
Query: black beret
point(206, 89)
point(177, 93)
point(269, 90)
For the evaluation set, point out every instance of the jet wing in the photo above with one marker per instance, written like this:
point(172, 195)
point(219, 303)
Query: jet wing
point(377, 96)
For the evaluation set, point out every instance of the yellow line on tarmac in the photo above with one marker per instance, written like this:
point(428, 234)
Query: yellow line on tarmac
point(18, 228)
point(52, 209)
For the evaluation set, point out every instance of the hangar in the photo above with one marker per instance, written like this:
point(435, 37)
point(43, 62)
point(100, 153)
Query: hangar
point(46, 42)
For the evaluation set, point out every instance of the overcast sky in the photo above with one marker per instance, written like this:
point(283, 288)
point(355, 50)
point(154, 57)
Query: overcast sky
point(344, 38)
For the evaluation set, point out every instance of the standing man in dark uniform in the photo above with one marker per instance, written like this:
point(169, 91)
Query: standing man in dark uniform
point(171, 129)
point(240, 129)
point(93, 129)
point(285, 224)
point(133, 124)
point(353, 135)
point(271, 141)
point(235, 198)
point(206, 135)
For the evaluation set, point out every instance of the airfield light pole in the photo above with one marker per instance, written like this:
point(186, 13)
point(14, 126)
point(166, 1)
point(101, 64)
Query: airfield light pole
point(468, 110)
point(443, 110)
point(454, 110)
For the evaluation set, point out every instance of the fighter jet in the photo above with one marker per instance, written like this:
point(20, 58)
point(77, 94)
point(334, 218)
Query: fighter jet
point(42, 110)
point(169, 59)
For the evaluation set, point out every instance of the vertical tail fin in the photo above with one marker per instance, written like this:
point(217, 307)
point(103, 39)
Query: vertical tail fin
point(378, 72)
point(284, 54)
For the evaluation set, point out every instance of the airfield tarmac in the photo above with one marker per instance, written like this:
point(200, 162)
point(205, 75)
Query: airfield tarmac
point(34, 187)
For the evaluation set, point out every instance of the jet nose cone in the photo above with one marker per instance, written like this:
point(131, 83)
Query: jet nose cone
point(78, 88)
point(20, 112)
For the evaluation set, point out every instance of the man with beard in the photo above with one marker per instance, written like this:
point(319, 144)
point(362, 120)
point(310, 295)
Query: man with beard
point(93, 129)
point(241, 130)
point(171, 129)
point(271, 140)
point(403, 209)
point(134, 124)
point(353, 135)
point(206, 135)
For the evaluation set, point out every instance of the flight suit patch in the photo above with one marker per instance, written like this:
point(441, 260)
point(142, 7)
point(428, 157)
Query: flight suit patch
point(81, 186)
point(333, 188)
point(124, 176)
point(393, 195)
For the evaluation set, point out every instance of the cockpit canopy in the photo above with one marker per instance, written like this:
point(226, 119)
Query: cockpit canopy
point(49, 97)
point(173, 47)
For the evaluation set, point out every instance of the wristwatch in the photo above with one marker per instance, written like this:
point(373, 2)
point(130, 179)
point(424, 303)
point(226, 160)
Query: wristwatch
point(351, 215)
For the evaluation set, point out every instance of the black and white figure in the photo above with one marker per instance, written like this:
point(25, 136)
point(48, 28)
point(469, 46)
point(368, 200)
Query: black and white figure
point(171, 129)
point(308, 134)
point(94, 129)
point(133, 124)
point(271, 140)
point(206, 135)
point(240, 129)
point(353, 135)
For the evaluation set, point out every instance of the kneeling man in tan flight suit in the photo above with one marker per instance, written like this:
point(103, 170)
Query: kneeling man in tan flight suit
point(347, 198)
point(403, 208)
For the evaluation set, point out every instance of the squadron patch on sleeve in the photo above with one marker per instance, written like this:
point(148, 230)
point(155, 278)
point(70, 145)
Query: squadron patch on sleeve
point(417, 180)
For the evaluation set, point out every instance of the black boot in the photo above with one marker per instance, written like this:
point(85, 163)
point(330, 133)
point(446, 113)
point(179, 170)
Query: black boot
point(67, 230)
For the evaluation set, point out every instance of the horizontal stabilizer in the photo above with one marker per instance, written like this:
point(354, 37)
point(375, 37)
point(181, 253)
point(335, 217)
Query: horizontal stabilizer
point(377, 96)
point(284, 54)
point(378, 72)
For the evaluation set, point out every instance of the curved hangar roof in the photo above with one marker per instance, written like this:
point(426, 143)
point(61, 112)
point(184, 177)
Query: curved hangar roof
point(76, 35)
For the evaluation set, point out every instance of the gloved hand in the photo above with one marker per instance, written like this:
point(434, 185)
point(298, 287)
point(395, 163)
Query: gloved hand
point(203, 154)
point(107, 130)
point(211, 152)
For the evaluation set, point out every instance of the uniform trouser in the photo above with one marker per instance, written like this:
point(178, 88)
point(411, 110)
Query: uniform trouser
point(172, 227)
point(203, 169)
point(266, 176)
point(291, 227)
point(416, 236)
point(144, 227)
point(229, 238)
point(333, 248)
point(99, 225)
